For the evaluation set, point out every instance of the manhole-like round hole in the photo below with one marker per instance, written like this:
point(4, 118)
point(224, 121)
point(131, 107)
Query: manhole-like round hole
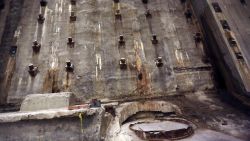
point(173, 129)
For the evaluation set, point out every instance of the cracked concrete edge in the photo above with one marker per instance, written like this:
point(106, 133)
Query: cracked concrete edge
point(47, 114)
point(47, 106)
point(36, 102)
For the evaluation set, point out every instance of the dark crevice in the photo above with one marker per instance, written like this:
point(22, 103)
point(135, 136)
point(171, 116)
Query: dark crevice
point(2, 4)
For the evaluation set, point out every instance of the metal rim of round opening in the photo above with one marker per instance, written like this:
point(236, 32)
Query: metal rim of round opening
point(186, 129)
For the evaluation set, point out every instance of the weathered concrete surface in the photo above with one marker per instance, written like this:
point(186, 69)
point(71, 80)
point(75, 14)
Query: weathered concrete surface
point(199, 135)
point(8, 38)
point(238, 17)
point(209, 135)
point(128, 109)
point(96, 53)
point(56, 129)
point(233, 72)
point(37, 102)
point(97, 74)
point(209, 111)
point(44, 114)
point(3, 16)
point(210, 116)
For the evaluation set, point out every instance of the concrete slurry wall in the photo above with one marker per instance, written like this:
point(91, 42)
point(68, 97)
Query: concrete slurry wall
point(221, 40)
point(96, 53)
point(237, 82)
point(237, 16)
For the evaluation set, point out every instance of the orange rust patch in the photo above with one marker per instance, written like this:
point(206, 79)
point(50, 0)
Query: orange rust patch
point(50, 83)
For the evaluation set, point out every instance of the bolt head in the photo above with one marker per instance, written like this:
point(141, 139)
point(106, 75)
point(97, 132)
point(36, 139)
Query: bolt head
point(145, 1)
point(68, 62)
point(122, 59)
point(159, 58)
point(43, 3)
point(70, 39)
point(121, 37)
point(154, 36)
point(35, 42)
point(31, 66)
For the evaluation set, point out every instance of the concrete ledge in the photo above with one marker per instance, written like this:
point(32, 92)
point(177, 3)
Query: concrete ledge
point(52, 125)
point(36, 102)
point(45, 114)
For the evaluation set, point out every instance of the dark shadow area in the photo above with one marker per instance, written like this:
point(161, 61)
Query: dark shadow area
point(7, 41)
point(148, 114)
point(2, 4)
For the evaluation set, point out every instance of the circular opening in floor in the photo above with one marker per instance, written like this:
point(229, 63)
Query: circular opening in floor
point(172, 129)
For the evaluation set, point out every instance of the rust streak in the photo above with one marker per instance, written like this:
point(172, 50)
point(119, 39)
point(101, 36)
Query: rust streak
point(143, 82)
point(51, 83)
